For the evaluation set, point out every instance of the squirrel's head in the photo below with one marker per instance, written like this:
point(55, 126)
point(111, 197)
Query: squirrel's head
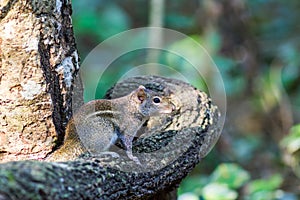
point(150, 103)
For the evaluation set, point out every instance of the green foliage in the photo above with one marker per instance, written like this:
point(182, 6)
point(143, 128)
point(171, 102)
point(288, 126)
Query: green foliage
point(110, 18)
point(267, 189)
point(95, 21)
point(190, 52)
point(247, 146)
point(230, 181)
point(259, 64)
point(217, 191)
point(291, 146)
point(231, 175)
point(178, 21)
point(193, 185)
point(265, 185)
point(292, 141)
point(221, 185)
point(231, 75)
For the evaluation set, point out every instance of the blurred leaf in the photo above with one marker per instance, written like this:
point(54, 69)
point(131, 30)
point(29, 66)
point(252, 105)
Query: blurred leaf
point(292, 141)
point(265, 185)
point(261, 195)
point(217, 191)
point(281, 195)
point(270, 88)
point(179, 21)
point(188, 49)
point(234, 82)
point(271, 195)
point(103, 23)
point(193, 184)
point(80, 7)
point(188, 196)
point(113, 20)
point(231, 175)
point(87, 22)
point(192, 60)
point(291, 145)
point(225, 64)
point(212, 41)
point(289, 54)
point(245, 147)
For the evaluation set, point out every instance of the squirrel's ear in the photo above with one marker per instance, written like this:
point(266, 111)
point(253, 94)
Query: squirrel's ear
point(141, 94)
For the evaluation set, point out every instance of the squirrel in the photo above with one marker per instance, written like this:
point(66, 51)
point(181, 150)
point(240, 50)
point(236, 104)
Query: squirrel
point(98, 124)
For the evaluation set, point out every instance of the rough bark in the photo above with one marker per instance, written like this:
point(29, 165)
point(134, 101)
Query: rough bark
point(38, 63)
point(184, 139)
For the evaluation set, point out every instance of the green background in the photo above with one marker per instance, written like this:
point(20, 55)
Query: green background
point(255, 44)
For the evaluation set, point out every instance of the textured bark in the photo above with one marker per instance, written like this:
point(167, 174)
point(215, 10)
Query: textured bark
point(38, 63)
point(183, 141)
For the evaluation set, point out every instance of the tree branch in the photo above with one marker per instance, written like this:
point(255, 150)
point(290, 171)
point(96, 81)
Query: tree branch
point(167, 155)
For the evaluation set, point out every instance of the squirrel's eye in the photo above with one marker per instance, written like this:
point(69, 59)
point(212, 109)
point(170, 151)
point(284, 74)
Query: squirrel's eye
point(156, 100)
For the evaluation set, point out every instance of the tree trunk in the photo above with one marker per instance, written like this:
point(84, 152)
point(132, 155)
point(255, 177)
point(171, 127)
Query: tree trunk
point(38, 62)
